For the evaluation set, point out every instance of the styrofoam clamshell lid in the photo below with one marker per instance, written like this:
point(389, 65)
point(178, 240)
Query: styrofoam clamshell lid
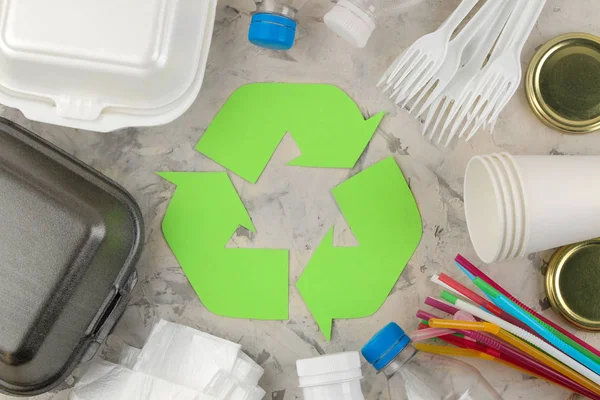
point(103, 65)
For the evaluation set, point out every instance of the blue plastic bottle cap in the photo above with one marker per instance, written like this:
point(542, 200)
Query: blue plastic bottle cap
point(272, 31)
point(385, 346)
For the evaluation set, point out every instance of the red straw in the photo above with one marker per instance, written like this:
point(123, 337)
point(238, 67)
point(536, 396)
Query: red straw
point(510, 355)
point(465, 291)
point(471, 295)
point(466, 264)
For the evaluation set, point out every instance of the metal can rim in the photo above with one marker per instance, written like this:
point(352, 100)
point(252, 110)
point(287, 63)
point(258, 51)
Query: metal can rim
point(534, 95)
point(555, 297)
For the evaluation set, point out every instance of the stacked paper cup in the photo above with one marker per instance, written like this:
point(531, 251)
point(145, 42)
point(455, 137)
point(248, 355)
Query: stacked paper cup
point(517, 205)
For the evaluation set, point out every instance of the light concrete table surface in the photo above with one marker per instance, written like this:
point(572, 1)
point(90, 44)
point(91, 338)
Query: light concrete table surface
point(292, 207)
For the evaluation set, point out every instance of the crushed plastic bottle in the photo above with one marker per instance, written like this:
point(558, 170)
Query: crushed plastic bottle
point(355, 20)
point(412, 375)
point(273, 24)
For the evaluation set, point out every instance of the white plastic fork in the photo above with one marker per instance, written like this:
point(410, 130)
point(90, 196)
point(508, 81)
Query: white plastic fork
point(501, 104)
point(506, 72)
point(415, 67)
point(471, 93)
point(443, 76)
point(446, 102)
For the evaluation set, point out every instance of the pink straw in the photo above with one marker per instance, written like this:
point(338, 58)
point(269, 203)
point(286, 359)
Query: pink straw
point(430, 333)
point(518, 358)
point(466, 264)
point(444, 307)
point(440, 305)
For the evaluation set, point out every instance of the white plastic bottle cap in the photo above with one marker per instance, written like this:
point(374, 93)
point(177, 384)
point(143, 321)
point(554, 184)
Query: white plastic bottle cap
point(333, 377)
point(350, 22)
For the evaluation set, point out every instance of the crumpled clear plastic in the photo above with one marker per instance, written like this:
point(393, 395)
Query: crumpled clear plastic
point(176, 363)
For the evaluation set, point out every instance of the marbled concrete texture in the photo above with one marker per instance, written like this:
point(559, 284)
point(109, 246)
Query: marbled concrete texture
point(292, 208)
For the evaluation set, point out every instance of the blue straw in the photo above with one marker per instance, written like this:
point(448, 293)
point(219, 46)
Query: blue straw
point(467, 273)
point(511, 308)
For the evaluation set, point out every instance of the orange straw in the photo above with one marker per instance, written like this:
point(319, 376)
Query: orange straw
point(519, 344)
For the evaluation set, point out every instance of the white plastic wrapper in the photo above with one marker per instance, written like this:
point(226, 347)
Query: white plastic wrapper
point(185, 356)
point(120, 383)
point(245, 392)
point(176, 363)
point(246, 370)
point(129, 356)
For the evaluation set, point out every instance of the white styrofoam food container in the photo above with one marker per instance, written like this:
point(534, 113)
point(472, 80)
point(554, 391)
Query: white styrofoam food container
point(103, 65)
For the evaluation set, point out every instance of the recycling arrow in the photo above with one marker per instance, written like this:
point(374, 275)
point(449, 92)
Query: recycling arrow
point(353, 282)
point(330, 131)
point(202, 216)
point(325, 123)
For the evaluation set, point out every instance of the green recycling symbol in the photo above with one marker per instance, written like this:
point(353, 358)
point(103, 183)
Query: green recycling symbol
point(205, 211)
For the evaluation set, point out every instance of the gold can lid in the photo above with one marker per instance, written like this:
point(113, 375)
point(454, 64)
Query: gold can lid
point(563, 83)
point(573, 284)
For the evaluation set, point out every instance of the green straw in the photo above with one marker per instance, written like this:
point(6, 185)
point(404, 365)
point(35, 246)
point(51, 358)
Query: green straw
point(493, 293)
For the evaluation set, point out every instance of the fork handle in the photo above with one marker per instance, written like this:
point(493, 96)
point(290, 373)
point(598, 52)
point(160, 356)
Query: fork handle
point(476, 23)
point(487, 43)
point(511, 29)
point(463, 9)
point(530, 19)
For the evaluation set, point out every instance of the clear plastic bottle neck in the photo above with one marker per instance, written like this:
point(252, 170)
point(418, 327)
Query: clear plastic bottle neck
point(276, 7)
point(401, 359)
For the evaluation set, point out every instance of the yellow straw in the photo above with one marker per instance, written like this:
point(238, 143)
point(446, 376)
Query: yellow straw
point(452, 351)
point(457, 352)
point(519, 344)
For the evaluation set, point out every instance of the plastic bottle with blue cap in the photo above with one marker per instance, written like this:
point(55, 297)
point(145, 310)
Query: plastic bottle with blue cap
point(355, 20)
point(412, 375)
point(273, 24)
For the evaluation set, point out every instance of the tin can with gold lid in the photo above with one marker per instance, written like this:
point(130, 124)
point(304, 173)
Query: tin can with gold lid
point(563, 83)
point(573, 284)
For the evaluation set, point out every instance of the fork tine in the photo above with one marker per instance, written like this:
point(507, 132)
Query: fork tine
point(483, 117)
point(401, 96)
point(504, 102)
point(475, 129)
point(498, 96)
point(419, 60)
point(493, 126)
point(401, 68)
point(445, 132)
point(442, 114)
point(431, 115)
point(438, 116)
point(437, 92)
point(451, 114)
point(397, 65)
point(467, 106)
point(423, 93)
point(420, 79)
point(454, 125)
point(496, 106)
point(444, 129)
point(395, 93)
point(416, 72)
point(475, 101)
point(485, 99)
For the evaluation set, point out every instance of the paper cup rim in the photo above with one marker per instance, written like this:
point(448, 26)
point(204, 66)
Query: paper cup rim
point(527, 218)
point(492, 252)
point(518, 204)
point(509, 205)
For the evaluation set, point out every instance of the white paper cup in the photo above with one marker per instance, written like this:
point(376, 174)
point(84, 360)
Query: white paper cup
point(508, 202)
point(484, 210)
point(517, 205)
point(562, 200)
